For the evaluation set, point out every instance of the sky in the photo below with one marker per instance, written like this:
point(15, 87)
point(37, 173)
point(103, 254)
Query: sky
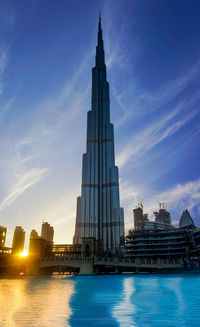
point(47, 50)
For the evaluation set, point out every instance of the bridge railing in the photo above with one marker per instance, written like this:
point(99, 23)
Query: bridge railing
point(115, 260)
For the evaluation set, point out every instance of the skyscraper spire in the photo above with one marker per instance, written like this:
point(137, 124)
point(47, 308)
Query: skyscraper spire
point(100, 61)
point(98, 208)
point(100, 17)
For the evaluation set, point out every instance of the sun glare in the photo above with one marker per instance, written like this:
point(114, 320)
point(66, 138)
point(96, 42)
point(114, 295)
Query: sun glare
point(24, 253)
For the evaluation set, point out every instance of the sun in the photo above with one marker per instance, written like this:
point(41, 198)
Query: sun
point(24, 253)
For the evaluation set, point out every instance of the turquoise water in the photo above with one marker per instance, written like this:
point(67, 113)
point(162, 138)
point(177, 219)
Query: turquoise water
point(115, 300)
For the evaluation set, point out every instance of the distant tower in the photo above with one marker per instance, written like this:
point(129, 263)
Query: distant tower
point(99, 214)
point(162, 216)
point(18, 240)
point(47, 232)
point(186, 220)
point(139, 218)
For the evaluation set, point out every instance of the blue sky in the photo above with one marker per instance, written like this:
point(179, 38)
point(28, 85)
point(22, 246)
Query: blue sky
point(47, 50)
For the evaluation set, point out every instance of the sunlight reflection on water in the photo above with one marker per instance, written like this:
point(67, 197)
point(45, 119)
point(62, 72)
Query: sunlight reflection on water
point(35, 302)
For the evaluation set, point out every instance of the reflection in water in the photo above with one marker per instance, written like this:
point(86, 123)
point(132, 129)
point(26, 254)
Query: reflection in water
point(110, 301)
point(124, 311)
point(175, 284)
point(35, 302)
point(12, 298)
point(93, 300)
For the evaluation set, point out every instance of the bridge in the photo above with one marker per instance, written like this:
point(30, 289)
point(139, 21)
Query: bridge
point(87, 265)
point(78, 264)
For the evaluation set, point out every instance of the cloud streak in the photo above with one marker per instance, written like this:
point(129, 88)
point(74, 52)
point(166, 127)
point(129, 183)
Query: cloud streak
point(184, 196)
point(154, 134)
point(24, 182)
point(3, 65)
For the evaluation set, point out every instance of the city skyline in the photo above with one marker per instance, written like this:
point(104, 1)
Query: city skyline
point(45, 82)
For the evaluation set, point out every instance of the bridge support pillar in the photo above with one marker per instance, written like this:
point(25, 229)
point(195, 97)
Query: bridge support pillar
point(117, 270)
point(137, 270)
point(32, 267)
point(86, 268)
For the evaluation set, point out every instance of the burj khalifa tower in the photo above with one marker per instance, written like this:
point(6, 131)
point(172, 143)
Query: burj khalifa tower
point(99, 214)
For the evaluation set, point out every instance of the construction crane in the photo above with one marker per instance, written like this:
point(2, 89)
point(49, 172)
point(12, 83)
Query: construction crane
point(140, 204)
point(162, 204)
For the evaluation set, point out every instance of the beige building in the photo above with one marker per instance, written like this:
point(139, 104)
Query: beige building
point(47, 232)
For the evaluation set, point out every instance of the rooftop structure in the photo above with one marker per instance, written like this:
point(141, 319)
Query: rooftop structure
point(139, 218)
point(163, 216)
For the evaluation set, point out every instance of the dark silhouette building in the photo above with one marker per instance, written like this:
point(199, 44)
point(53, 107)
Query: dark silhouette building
point(37, 245)
point(4, 250)
point(41, 246)
point(18, 240)
point(3, 231)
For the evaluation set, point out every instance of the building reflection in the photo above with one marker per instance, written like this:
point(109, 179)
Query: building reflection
point(155, 299)
point(93, 300)
point(125, 310)
point(176, 284)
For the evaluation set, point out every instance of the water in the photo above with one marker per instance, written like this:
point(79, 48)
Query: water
point(123, 301)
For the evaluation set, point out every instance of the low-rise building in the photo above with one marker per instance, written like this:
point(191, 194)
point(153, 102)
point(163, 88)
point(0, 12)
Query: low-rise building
point(159, 240)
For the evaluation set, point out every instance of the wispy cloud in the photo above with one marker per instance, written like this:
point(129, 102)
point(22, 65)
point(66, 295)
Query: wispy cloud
point(122, 57)
point(5, 107)
point(179, 197)
point(3, 61)
point(155, 133)
point(24, 182)
point(184, 196)
point(3, 65)
point(135, 103)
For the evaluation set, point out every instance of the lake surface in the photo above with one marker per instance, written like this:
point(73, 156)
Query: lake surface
point(115, 300)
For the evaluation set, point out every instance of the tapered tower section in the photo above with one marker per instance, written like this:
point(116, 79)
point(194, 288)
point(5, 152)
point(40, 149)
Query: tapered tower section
point(98, 208)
